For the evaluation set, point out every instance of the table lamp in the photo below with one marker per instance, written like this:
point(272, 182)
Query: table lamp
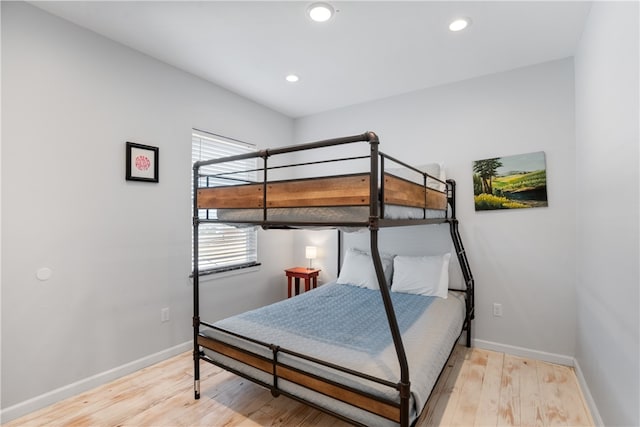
point(310, 253)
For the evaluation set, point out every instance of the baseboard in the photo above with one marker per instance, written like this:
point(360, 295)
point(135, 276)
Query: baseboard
point(559, 359)
point(591, 403)
point(49, 398)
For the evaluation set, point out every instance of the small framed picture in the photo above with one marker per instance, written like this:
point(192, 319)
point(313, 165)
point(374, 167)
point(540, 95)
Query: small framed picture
point(142, 162)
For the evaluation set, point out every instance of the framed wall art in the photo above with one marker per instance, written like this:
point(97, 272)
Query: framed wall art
point(142, 162)
point(510, 182)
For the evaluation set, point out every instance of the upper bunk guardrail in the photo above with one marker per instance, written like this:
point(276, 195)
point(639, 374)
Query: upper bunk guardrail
point(265, 193)
point(365, 137)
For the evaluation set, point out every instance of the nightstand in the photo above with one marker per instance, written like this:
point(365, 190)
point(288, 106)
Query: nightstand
point(310, 276)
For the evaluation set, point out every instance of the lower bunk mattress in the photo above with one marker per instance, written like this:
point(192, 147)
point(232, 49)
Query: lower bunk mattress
point(347, 326)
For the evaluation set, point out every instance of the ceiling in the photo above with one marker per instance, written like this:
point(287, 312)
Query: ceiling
point(367, 51)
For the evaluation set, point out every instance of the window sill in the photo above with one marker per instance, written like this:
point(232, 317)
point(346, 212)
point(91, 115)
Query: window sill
point(209, 275)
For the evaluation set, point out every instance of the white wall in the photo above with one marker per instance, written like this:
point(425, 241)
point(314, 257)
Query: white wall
point(119, 251)
point(607, 255)
point(523, 259)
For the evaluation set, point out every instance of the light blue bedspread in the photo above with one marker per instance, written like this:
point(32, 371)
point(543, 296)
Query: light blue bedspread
point(347, 326)
point(342, 315)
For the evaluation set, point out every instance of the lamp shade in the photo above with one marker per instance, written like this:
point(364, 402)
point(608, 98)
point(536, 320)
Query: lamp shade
point(310, 252)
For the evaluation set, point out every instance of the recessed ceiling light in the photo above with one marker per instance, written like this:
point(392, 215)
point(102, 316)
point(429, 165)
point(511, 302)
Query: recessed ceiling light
point(320, 12)
point(292, 78)
point(460, 24)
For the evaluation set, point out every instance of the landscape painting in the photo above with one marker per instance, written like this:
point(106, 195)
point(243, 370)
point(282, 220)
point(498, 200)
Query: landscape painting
point(510, 182)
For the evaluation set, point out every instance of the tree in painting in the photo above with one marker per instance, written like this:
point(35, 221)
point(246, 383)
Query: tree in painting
point(486, 170)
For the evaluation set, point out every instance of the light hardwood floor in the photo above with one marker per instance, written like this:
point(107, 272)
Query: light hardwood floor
point(477, 388)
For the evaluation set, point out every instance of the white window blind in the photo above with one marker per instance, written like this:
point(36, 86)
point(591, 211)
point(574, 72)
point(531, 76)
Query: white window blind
point(223, 247)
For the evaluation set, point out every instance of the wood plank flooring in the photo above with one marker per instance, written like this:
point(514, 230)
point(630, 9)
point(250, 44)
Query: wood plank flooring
point(477, 388)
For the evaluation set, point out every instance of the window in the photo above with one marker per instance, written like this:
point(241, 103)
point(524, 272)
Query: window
point(223, 247)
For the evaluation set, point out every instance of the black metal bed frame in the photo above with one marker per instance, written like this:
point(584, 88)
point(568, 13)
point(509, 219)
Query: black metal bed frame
point(375, 221)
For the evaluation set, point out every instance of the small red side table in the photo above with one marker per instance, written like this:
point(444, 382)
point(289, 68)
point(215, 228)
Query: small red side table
point(310, 276)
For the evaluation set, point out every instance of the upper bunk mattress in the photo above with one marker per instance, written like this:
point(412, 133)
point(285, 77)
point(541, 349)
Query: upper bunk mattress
point(347, 326)
point(333, 215)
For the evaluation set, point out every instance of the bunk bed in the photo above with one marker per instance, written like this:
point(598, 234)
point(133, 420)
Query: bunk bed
point(364, 383)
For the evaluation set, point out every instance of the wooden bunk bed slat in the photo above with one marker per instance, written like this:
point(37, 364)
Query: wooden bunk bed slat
point(309, 381)
point(436, 199)
point(239, 196)
point(352, 190)
point(391, 412)
point(398, 191)
point(349, 190)
point(245, 357)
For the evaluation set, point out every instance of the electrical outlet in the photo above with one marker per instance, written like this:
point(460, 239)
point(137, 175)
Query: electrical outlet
point(497, 309)
point(164, 314)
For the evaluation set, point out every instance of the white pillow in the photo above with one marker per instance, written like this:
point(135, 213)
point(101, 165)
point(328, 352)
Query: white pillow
point(358, 269)
point(423, 275)
point(434, 169)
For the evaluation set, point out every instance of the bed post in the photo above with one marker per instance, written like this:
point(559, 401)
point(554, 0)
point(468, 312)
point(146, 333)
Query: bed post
point(196, 286)
point(462, 258)
point(404, 386)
